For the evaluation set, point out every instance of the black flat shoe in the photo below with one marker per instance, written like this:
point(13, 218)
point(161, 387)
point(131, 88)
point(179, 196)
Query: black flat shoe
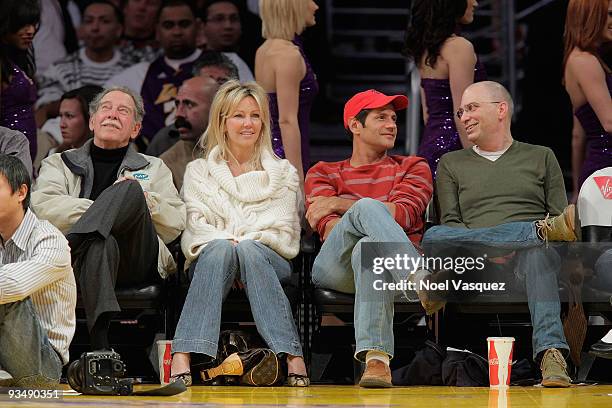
point(602, 349)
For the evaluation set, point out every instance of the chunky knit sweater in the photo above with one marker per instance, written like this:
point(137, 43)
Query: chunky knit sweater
point(258, 205)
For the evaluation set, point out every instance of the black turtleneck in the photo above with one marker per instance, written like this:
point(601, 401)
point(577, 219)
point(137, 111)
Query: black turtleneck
point(106, 164)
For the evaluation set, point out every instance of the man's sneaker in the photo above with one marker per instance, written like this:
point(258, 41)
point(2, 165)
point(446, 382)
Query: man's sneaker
point(559, 228)
point(431, 302)
point(376, 375)
point(6, 380)
point(554, 369)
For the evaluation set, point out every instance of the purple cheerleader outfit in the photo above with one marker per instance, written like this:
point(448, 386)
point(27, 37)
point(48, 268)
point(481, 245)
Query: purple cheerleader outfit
point(309, 87)
point(440, 135)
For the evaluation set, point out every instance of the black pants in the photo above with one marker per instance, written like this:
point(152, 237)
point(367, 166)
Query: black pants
point(114, 244)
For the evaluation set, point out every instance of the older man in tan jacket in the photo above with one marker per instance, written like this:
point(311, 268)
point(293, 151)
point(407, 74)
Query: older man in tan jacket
point(117, 207)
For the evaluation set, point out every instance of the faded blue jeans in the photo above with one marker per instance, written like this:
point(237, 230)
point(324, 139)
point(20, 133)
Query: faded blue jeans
point(538, 264)
point(338, 266)
point(262, 271)
point(25, 350)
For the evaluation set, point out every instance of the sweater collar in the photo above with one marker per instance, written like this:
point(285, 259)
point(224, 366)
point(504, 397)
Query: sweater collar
point(254, 185)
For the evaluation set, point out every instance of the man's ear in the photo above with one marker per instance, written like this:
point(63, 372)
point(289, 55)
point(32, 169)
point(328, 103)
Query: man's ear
point(136, 130)
point(22, 193)
point(503, 109)
point(355, 125)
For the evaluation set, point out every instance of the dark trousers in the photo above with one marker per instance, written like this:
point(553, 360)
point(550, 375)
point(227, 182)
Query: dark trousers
point(114, 244)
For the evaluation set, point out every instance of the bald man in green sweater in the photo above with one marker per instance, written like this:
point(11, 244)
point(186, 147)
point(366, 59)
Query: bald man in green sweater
point(502, 193)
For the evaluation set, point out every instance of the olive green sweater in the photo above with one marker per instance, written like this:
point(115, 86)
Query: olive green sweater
point(524, 184)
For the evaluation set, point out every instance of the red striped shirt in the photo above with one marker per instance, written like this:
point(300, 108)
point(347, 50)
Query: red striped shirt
point(402, 180)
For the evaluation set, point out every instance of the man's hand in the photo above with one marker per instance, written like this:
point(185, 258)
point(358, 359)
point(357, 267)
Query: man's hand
point(320, 207)
point(146, 195)
point(123, 178)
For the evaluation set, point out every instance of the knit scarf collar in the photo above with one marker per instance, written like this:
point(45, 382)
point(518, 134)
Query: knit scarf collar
point(254, 185)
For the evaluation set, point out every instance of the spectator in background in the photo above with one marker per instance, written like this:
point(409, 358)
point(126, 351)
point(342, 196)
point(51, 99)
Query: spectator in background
point(211, 64)
point(56, 37)
point(138, 41)
point(588, 81)
point(222, 27)
point(192, 107)
point(117, 207)
point(18, 21)
point(447, 64)
point(14, 143)
point(282, 69)
point(93, 64)
point(74, 123)
point(157, 82)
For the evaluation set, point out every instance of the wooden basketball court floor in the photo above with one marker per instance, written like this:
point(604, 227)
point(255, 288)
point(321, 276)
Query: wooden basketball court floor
point(596, 396)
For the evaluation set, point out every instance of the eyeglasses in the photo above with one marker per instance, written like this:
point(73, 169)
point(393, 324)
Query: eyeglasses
point(221, 18)
point(471, 107)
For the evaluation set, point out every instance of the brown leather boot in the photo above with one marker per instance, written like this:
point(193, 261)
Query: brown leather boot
point(376, 375)
point(559, 228)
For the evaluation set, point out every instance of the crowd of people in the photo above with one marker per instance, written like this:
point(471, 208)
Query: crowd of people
point(153, 128)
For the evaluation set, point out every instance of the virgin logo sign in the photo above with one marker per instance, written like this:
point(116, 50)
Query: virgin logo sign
point(605, 186)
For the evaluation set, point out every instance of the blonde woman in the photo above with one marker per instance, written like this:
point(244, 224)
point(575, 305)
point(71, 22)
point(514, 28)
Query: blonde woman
point(282, 69)
point(242, 225)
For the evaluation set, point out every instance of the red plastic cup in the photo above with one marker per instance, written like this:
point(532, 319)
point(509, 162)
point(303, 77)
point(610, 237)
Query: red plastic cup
point(500, 361)
point(164, 357)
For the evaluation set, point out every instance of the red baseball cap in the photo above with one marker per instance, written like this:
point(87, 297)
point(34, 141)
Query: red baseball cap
point(371, 99)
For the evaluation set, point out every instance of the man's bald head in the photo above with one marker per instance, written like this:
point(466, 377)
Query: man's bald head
point(486, 114)
point(495, 92)
point(193, 105)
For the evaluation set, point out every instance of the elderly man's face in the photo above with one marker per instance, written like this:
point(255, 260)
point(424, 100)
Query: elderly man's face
point(114, 123)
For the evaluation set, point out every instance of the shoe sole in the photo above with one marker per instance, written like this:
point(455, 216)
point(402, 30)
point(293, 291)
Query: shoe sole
point(374, 383)
point(555, 382)
point(603, 354)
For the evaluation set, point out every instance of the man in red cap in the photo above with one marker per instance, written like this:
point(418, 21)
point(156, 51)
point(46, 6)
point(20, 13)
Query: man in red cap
point(372, 197)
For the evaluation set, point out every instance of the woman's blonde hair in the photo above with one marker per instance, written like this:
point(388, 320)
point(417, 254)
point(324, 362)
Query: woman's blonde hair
point(224, 104)
point(282, 18)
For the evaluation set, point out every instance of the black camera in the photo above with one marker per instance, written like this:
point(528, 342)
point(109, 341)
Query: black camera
point(99, 373)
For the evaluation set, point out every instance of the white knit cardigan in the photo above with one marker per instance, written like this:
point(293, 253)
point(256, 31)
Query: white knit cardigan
point(258, 205)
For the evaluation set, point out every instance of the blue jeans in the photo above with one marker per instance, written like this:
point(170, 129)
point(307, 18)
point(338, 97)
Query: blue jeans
point(25, 350)
point(539, 265)
point(261, 270)
point(338, 267)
